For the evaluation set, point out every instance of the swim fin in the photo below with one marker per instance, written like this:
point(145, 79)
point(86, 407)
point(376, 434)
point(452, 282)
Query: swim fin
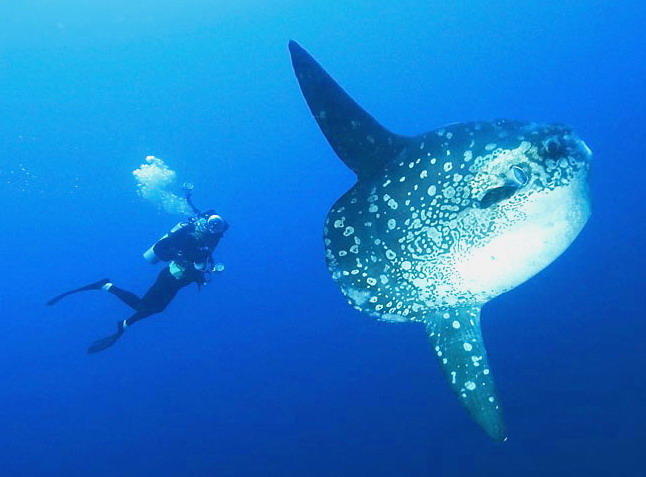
point(91, 286)
point(105, 343)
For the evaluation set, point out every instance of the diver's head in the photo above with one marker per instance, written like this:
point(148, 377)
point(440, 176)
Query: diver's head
point(215, 225)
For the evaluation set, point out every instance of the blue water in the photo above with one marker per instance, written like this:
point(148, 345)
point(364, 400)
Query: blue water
point(267, 371)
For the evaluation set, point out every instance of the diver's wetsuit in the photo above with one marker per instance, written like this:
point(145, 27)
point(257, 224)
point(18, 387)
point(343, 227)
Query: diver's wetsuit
point(156, 299)
point(189, 253)
point(188, 249)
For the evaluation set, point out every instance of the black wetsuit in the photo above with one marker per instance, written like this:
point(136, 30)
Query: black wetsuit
point(156, 299)
point(187, 249)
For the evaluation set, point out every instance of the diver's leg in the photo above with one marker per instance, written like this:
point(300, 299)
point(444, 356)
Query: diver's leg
point(160, 294)
point(125, 296)
point(134, 319)
point(92, 286)
point(156, 298)
point(154, 301)
point(105, 343)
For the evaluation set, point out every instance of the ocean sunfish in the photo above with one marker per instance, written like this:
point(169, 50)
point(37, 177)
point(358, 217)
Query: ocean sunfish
point(440, 223)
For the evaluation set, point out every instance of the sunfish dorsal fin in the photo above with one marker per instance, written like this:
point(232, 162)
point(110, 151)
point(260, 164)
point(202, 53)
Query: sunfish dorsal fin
point(457, 342)
point(358, 139)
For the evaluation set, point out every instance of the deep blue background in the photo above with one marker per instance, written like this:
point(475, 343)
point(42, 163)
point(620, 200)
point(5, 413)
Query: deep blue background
point(267, 371)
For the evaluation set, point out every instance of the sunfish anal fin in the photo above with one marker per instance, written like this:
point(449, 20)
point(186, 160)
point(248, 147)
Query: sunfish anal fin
point(456, 338)
point(363, 144)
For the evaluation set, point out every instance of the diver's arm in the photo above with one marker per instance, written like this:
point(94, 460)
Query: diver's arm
point(165, 249)
point(174, 244)
point(204, 256)
point(189, 200)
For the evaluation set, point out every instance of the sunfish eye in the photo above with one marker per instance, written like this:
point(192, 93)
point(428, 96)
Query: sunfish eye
point(553, 147)
point(519, 175)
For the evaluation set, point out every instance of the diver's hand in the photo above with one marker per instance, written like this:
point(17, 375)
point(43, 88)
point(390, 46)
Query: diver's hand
point(218, 268)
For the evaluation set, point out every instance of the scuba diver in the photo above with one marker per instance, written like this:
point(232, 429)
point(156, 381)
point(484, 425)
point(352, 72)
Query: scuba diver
point(188, 247)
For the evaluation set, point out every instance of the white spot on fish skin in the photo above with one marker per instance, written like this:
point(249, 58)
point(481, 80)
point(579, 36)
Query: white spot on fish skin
point(390, 255)
point(491, 399)
point(373, 208)
point(453, 373)
point(372, 282)
point(423, 174)
point(485, 371)
point(449, 192)
point(446, 316)
point(354, 249)
point(467, 346)
point(348, 231)
point(432, 190)
point(402, 178)
point(342, 253)
point(406, 265)
point(392, 203)
point(456, 324)
point(392, 224)
point(383, 279)
point(448, 166)
point(387, 183)
point(490, 147)
point(339, 223)
point(470, 385)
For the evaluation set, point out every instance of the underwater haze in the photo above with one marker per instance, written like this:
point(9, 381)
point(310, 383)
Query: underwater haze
point(267, 370)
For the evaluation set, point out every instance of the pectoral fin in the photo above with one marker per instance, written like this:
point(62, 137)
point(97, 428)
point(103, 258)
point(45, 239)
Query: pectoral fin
point(456, 339)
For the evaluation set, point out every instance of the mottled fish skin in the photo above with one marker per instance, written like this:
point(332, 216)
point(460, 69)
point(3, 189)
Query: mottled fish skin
point(405, 242)
point(439, 224)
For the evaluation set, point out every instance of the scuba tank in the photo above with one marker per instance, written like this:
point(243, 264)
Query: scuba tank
point(149, 255)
